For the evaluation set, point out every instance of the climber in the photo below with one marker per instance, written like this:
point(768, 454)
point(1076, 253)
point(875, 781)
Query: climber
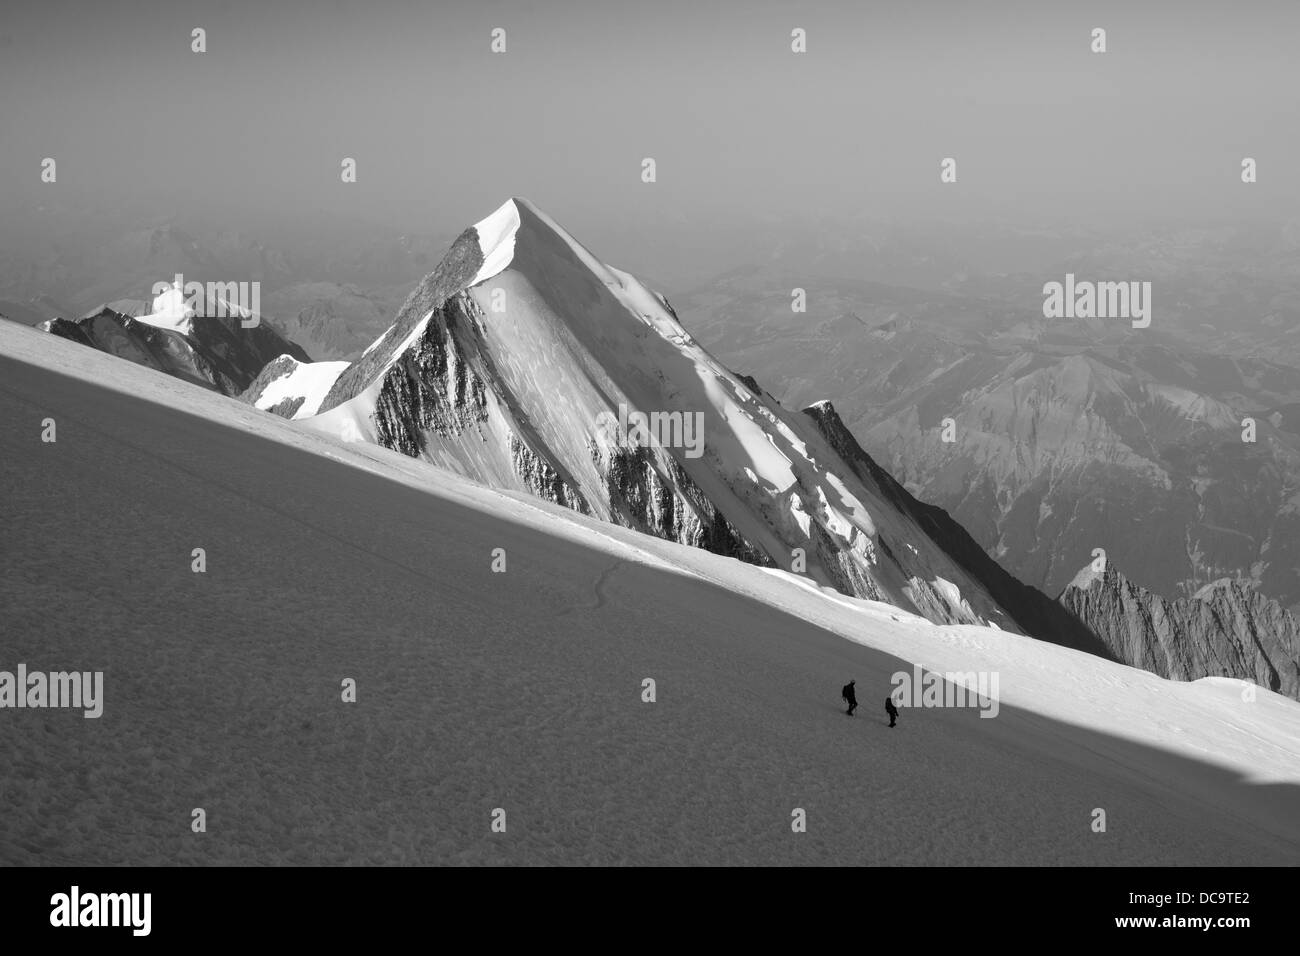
point(849, 694)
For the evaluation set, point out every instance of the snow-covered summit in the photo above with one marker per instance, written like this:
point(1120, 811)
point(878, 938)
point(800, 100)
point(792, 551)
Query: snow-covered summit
point(496, 240)
point(292, 388)
point(170, 311)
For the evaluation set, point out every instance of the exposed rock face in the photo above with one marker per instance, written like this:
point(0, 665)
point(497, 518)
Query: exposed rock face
point(435, 385)
point(217, 354)
point(441, 397)
point(1224, 630)
point(452, 275)
point(543, 478)
point(675, 509)
point(75, 332)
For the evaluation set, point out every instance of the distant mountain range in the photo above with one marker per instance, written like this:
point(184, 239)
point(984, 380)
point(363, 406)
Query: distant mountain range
point(213, 349)
point(336, 289)
point(1064, 437)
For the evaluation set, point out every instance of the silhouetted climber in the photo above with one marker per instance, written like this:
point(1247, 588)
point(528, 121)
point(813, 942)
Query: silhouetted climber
point(849, 694)
point(891, 710)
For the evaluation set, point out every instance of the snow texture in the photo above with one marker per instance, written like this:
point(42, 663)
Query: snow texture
point(522, 690)
point(310, 381)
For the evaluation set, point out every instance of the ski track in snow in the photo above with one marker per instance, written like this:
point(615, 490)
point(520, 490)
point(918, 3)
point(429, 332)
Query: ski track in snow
point(598, 591)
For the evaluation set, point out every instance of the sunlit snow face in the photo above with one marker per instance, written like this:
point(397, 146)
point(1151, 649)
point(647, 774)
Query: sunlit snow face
point(169, 300)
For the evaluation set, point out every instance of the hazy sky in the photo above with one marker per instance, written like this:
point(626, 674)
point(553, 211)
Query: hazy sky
point(443, 130)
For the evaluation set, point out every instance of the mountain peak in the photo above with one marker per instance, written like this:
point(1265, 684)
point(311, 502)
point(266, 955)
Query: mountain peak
point(496, 238)
point(171, 311)
point(526, 363)
point(516, 225)
point(1089, 576)
point(1208, 591)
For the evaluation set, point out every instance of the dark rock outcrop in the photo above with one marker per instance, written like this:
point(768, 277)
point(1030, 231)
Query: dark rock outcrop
point(452, 275)
point(1224, 630)
point(219, 353)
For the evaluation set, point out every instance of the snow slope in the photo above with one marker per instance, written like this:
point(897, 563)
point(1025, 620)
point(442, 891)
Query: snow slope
point(287, 382)
point(496, 240)
point(522, 690)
